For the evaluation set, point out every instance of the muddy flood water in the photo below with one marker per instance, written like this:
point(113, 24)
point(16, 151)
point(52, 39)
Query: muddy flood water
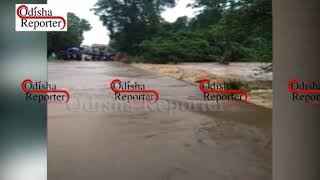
point(181, 137)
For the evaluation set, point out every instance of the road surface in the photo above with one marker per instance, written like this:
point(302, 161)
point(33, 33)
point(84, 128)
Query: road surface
point(95, 138)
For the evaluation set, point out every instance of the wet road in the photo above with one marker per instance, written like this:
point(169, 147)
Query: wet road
point(179, 138)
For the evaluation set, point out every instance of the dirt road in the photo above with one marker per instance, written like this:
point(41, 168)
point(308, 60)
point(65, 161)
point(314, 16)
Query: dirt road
point(93, 137)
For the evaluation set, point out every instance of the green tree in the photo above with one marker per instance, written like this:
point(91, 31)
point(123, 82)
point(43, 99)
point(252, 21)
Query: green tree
point(243, 26)
point(205, 19)
point(223, 30)
point(177, 47)
point(72, 38)
point(131, 21)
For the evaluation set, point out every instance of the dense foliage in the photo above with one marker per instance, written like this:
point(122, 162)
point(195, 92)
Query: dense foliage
point(223, 31)
point(72, 38)
point(131, 21)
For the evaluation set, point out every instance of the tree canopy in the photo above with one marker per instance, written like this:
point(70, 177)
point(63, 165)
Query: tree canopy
point(131, 21)
point(223, 30)
point(71, 38)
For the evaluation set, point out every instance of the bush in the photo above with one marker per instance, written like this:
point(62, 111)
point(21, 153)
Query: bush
point(176, 47)
point(258, 49)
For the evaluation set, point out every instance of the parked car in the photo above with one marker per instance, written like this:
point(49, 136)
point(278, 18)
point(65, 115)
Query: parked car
point(86, 55)
point(71, 54)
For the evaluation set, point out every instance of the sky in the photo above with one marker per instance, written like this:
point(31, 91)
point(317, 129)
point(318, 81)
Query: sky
point(99, 33)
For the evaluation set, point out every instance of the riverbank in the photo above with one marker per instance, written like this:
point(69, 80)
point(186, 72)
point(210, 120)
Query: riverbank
point(250, 76)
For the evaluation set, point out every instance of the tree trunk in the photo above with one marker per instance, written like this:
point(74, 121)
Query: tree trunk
point(226, 57)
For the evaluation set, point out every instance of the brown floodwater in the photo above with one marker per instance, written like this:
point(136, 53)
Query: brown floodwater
point(243, 71)
point(179, 138)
